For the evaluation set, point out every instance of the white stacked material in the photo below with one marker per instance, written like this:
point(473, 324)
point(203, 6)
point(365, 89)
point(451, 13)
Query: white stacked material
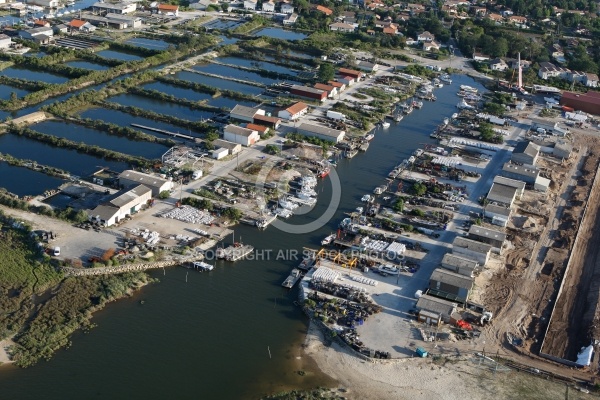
point(366, 281)
point(447, 161)
point(151, 238)
point(396, 248)
point(472, 143)
point(189, 214)
point(201, 232)
point(357, 288)
point(325, 274)
point(501, 131)
point(370, 244)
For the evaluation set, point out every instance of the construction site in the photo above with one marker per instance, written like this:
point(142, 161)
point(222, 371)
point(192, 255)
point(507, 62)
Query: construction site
point(545, 296)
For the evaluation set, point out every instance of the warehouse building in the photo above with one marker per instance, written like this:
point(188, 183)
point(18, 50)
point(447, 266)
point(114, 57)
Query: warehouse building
point(460, 265)
point(243, 136)
point(525, 152)
point(120, 205)
point(114, 8)
point(265, 120)
point(549, 127)
point(294, 111)
point(450, 285)
point(562, 149)
point(525, 173)
point(490, 236)
point(130, 178)
point(308, 92)
point(502, 195)
point(432, 310)
point(519, 185)
point(499, 215)
point(587, 102)
point(321, 132)
point(246, 114)
point(232, 148)
point(351, 73)
point(468, 248)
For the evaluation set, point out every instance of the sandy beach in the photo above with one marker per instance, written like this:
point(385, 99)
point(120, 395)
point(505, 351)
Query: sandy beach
point(4, 358)
point(453, 378)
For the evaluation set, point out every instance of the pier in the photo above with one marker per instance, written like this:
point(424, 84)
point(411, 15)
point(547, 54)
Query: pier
point(227, 78)
point(164, 132)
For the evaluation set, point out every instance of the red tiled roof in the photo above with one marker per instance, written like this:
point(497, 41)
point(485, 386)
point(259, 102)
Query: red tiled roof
point(324, 10)
point(259, 128)
point(169, 7)
point(76, 23)
point(296, 108)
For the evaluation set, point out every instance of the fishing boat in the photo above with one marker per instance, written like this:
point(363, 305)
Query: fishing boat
point(466, 88)
point(385, 124)
point(364, 146)
point(378, 190)
point(351, 153)
point(446, 79)
point(417, 104)
point(328, 239)
point(455, 115)
point(284, 202)
point(359, 210)
point(202, 266)
point(367, 198)
point(306, 263)
point(323, 172)
point(398, 118)
point(291, 280)
point(369, 137)
point(463, 105)
point(446, 121)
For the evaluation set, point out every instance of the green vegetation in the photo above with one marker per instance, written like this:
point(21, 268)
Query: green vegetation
point(165, 194)
point(399, 205)
point(272, 149)
point(201, 204)
point(419, 70)
point(67, 214)
point(256, 22)
point(487, 133)
point(199, 87)
point(233, 214)
point(326, 72)
point(310, 139)
point(419, 189)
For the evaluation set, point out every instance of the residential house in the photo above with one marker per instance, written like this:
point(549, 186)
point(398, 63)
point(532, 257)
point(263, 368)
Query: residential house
point(517, 20)
point(591, 80)
point(250, 4)
point(321, 132)
point(390, 30)
point(294, 111)
point(62, 28)
point(291, 19)
point(576, 76)
point(261, 129)
point(342, 27)
point(450, 285)
point(525, 152)
point(324, 10)
point(120, 205)
point(479, 11)
point(514, 64)
point(268, 6)
point(498, 64)
point(431, 46)
point(496, 18)
point(41, 22)
point(243, 136)
point(287, 8)
point(425, 37)
point(549, 70)
point(506, 13)
point(78, 25)
point(5, 41)
point(129, 178)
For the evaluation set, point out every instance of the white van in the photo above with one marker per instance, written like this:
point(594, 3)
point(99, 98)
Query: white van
point(197, 174)
point(56, 251)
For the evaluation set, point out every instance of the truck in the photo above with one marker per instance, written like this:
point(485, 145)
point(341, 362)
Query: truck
point(197, 174)
point(421, 352)
point(338, 116)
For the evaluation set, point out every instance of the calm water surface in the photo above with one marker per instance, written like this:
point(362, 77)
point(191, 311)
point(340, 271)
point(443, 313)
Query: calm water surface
point(279, 33)
point(218, 83)
point(148, 43)
point(208, 337)
point(118, 55)
point(87, 65)
point(231, 72)
point(23, 181)
point(6, 92)
point(161, 107)
point(22, 73)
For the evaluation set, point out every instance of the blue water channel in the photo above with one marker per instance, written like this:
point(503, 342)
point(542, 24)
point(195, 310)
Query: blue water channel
point(6, 91)
point(219, 83)
point(193, 95)
point(153, 44)
point(87, 65)
point(123, 119)
point(224, 40)
point(161, 107)
point(231, 72)
point(279, 33)
point(94, 137)
point(76, 163)
point(30, 75)
point(24, 181)
point(118, 55)
point(244, 62)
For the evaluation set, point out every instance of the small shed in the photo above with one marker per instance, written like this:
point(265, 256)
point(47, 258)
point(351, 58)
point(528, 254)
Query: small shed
point(220, 153)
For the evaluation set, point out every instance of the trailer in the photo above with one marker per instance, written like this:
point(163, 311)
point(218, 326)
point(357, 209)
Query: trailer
point(338, 116)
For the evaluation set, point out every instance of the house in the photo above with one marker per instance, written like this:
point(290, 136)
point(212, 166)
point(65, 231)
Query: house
point(42, 39)
point(587, 102)
point(220, 153)
point(479, 11)
point(498, 64)
point(350, 72)
point(450, 285)
point(294, 111)
point(78, 25)
point(168, 9)
point(514, 64)
point(243, 136)
point(480, 57)
point(591, 80)
point(434, 309)
point(468, 248)
point(502, 195)
point(113, 8)
point(496, 18)
point(430, 46)
point(519, 185)
point(120, 205)
point(287, 8)
point(321, 132)
point(5, 41)
point(331, 90)
point(249, 5)
point(498, 214)
point(233, 148)
point(492, 237)
point(549, 70)
point(291, 19)
point(339, 85)
point(575, 76)
point(525, 173)
point(517, 20)
point(425, 37)
point(390, 30)
point(203, 4)
point(341, 27)
point(506, 13)
point(460, 265)
point(244, 113)
point(41, 22)
point(367, 66)
point(308, 92)
point(261, 129)
point(265, 120)
point(44, 3)
point(548, 126)
point(62, 28)
point(324, 10)
point(268, 6)
point(525, 152)
point(130, 178)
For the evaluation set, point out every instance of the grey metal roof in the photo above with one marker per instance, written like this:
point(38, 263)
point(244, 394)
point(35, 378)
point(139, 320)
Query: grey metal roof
point(245, 111)
point(150, 181)
point(226, 144)
point(501, 193)
point(124, 197)
point(526, 147)
point(520, 185)
point(481, 231)
point(458, 261)
point(525, 170)
point(472, 245)
point(238, 130)
point(451, 278)
point(307, 89)
point(493, 208)
point(433, 304)
point(320, 129)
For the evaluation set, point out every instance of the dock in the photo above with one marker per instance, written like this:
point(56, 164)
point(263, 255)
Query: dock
point(235, 252)
point(292, 279)
point(164, 132)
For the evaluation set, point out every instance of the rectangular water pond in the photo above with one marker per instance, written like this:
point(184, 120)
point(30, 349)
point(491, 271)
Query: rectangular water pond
point(123, 119)
point(6, 92)
point(24, 181)
point(76, 163)
point(219, 83)
point(22, 73)
point(230, 72)
point(118, 55)
point(160, 107)
point(257, 64)
point(224, 40)
point(152, 44)
point(94, 137)
point(221, 24)
point(87, 65)
point(279, 33)
point(193, 95)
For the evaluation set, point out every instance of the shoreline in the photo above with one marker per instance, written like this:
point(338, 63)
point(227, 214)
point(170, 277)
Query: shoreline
point(4, 356)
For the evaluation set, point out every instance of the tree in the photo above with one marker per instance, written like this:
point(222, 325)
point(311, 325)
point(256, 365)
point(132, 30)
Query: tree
point(225, 7)
point(272, 149)
point(232, 214)
point(419, 189)
point(399, 205)
point(164, 194)
point(500, 47)
point(326, 72)
point(13, 96)
point(418, 213)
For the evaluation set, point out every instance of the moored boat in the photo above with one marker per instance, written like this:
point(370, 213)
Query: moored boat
point(328, 239)
point(385, 125)
point(369, 137)
point(291, 280)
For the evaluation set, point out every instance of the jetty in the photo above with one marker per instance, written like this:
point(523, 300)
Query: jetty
point(164, 132)
point(227, 78)
point(292, 279)
point(235, 252)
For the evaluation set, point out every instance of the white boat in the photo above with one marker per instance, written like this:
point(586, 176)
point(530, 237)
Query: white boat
point(446, 79)
point(398, 118)
point(304, 196)
point(328, 239)
point(360, 210)
point(417, 104)
point(463, 105)
point(351, 153)
point(385, 124)
point(291, 280)
point(446, 121)
point(468, 89)
point(283, 213)
point(367, 198)
point(284, 202)
point(308, 191)
point(455, 115)
point(388, 269)
point(200, 265)
point(379, 189)
point(369, 137)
